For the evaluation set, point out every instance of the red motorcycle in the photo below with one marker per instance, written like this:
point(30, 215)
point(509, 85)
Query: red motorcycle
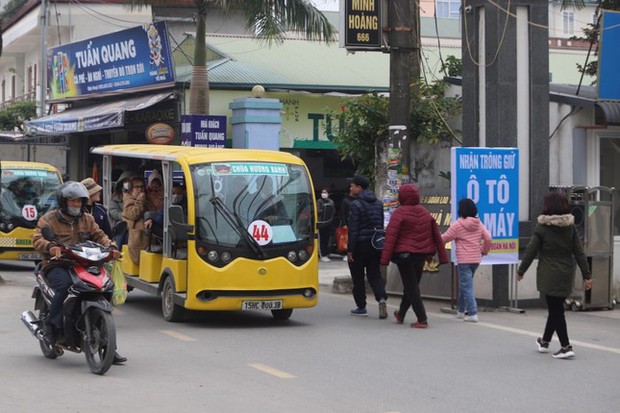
point(87, 311)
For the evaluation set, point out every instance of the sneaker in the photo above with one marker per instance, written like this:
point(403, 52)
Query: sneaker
point(543, 346)
point(398, 319)
point(382, 310)
point(325, 259)
point(417, 324)
point(460, 315)
point(564, 353)
point(345, 258)
point(471, 318)
point(360, 312)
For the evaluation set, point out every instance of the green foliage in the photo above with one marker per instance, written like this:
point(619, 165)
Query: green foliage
point(363, 122)
point(453, 66)
point(591, 33)
point(13, 116)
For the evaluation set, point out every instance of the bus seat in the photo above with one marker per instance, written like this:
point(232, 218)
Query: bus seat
point(179, 231)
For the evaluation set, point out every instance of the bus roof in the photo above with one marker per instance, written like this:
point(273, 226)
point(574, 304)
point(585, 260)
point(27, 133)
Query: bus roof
point(27, 165)
point(193, 155)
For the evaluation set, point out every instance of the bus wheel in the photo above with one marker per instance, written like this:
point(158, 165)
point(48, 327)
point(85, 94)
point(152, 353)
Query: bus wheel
point(282, 314)
point(171, 311)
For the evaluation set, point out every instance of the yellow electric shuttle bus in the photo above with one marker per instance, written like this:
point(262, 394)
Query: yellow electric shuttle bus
point(245, 239)
point(27, 191)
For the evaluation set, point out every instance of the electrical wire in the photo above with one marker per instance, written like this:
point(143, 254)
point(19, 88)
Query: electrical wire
point(57, 21)
point(443, 65)
point(499, 46)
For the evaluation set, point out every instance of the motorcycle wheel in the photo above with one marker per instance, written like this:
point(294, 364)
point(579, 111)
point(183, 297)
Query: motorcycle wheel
point(99, 342)
point(50, 352)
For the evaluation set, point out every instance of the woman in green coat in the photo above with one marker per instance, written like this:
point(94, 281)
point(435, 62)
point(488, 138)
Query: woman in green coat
point(555, 241)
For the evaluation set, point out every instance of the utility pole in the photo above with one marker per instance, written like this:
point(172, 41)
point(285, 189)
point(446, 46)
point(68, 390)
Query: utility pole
point(403, 40)
point(43, 63)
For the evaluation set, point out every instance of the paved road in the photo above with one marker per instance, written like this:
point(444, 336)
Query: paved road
point(322, 360)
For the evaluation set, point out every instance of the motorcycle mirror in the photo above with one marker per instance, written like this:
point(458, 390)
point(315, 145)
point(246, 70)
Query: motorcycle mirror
point(48, 234)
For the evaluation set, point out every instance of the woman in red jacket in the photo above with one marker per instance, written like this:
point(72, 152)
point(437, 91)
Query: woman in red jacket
point(411, 238)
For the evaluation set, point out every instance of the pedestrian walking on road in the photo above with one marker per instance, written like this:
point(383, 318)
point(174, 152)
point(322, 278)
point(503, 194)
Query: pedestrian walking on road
point(412, 237)
point(472, 242)
point(556, 243)
point(365, 214)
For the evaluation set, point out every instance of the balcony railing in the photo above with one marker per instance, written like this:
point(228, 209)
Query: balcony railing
point(31, 96)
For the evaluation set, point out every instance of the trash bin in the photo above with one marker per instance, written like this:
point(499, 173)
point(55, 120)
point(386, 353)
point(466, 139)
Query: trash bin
point(593, 210)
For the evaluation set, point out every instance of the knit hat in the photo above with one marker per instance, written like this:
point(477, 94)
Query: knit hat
point(91, 186)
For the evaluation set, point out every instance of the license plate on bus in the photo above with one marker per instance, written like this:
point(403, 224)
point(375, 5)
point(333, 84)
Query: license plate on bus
point(262, 305)
point(30, 257)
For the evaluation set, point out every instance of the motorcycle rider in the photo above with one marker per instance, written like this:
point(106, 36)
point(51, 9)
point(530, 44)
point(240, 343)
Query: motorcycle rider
point(70, 225)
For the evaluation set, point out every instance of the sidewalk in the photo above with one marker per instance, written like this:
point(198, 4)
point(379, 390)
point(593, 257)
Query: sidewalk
point(333, 270)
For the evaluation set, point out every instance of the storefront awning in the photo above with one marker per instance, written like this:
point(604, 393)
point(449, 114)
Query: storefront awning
point(107, 115)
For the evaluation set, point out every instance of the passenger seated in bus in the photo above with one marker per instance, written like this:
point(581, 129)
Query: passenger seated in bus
point(19, 193)
point(135, 204)
point(155, 189)
point(115, 210)
point(154, 220)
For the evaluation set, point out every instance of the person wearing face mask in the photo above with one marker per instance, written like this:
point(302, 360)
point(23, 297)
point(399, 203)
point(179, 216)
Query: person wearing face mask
point(70, 225)
point(115, 210)
point(324, 205)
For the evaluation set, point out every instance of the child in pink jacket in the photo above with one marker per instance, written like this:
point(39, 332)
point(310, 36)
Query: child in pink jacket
point(468, 232)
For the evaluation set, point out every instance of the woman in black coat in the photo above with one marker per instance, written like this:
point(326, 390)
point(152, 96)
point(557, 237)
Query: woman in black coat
point(555, 242)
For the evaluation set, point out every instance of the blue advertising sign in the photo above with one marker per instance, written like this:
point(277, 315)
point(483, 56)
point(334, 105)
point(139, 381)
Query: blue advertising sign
point(128, 59)
point(490, 177)
point(609, 58)
point(205, 131)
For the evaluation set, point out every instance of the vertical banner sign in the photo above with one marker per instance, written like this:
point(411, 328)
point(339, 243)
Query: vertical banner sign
point(362, 24)
point(203, 131)
point(609, 58)
point(490, 177)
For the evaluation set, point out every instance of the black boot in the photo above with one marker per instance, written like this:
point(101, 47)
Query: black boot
point(51, 334)
point(118, 359)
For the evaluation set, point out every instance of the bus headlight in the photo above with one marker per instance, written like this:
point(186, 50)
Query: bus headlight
point(226, 256)
point(1, 225)
point(309, 293)
point(292, 256)
point(10, 226)
point(213, 255)
point(303, 255)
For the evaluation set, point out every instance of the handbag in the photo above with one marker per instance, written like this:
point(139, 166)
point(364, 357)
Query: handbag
point(378, 237)
point(342, 239)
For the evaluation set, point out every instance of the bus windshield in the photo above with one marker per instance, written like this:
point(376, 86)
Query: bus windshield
point(270, 201)
point(26, 195)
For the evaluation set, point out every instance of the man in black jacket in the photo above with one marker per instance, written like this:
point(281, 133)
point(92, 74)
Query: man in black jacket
point(366, 214)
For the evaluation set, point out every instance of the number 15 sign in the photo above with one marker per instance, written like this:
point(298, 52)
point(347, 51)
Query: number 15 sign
point(490, 177)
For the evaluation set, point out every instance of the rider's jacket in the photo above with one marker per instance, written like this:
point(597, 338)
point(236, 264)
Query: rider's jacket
point(67, 230)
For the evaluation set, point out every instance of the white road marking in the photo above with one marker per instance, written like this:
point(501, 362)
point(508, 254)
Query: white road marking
point(177, 335)
point(270, 370)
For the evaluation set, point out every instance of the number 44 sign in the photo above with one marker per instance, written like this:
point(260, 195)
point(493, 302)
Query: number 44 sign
point(490, 177)
point(261, 231)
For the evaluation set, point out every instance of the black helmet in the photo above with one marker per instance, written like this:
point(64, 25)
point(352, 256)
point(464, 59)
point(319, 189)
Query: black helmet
point(71, 190)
